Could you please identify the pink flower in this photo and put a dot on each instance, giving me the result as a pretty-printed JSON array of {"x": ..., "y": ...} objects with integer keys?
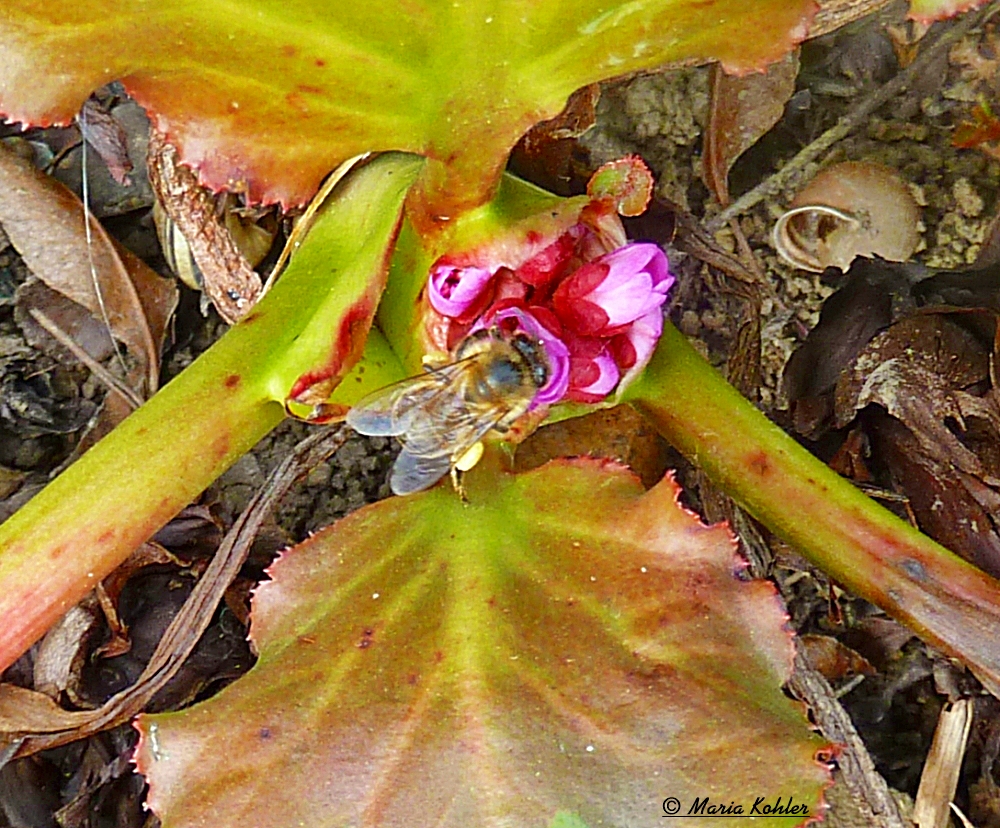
[
  {"x": 593, "y": 300},
  {"x": 459, "y": 291},
  {"x": 555, "y": 351},
  {"x": 614, "y": 290}
]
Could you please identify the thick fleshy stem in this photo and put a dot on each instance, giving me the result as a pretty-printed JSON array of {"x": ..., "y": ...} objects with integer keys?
[
  {"x": 60, "y": 544},
  {"x": 945, "y": 600}
]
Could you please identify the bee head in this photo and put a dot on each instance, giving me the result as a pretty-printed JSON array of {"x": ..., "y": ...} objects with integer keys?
[{"x": 533, "y": 354}]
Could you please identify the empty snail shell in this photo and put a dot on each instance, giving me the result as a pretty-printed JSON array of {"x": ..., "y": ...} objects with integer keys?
[{"x": 851, "y": 209}]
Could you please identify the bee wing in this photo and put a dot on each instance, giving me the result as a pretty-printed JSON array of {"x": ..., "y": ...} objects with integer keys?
[
  {"x": 389, "y": 411},
  {"x": 413, "y": 473},
  {"x": 435, "y": 440}
]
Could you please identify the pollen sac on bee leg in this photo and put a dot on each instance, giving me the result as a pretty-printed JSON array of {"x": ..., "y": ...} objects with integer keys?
[{"x": 471, "y": 457}]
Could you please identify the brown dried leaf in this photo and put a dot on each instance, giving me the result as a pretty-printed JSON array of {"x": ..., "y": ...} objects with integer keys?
[
  {"x": 61, "y": 652},
  {"x": 831, "y": 658},
  {"x": 878, "y": 639},
  {"x": 25, "y": 711},
  {"x": 86, "y": 330},
  {"x": 20, "y": 711},
  {"x": 44, "y": 221},
  {"x": 550, "y": 155},
  {"x": 978, "y": 58},
  {"x": 102, "y": 131},
  {"x": 912, "y": 370},
  {"x": 917, "y": 372},
  {"x": 228, "y": 279},
  {"x": 939, "y": 496},
  {"x": 109, "y": 592},
  {"x": 847, "y": 322},
  {"x": 741, "y": 110}
]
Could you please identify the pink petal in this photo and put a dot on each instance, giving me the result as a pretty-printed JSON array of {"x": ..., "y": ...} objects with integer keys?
[
  {"x": 552, "y": 263},
  {"x": 607, "y": 376},
  {"x": 625, "y": 284},
  {"x": 642, "y": 336},
  {"x": 625, "y": 296},
  {"x": 592, "y": 378},
  {"x": 453, "y": 290},
  {"x": 623, "y": 351},
  {"x": 581, "y": 316}
]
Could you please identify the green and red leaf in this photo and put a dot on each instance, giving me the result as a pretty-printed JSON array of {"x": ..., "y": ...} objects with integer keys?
[
  {"x": 927, "y": 11},
  {"x": 564, "y": 644},
  {"x": 272, "y": 96}
]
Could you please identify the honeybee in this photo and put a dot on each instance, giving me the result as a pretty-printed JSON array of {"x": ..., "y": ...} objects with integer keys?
[{"x": 439, "y": 416}]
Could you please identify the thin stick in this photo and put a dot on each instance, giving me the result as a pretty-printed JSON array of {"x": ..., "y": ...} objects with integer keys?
[
  {"x": 82, "y": 118},
  {"x": 114, "y": 384},
  {"x": 848, "y": 122}
]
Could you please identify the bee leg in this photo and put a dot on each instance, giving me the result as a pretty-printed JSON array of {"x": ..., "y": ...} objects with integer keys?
[{"x": 458, "y": 486}]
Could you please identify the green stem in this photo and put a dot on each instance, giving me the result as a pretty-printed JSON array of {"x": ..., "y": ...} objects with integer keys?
[
  {"x": 946, "y": 600},
  {"x": 312, "y": 324}
]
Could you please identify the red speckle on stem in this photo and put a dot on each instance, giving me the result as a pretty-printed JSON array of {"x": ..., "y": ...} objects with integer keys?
[
  {"x": 232, "y": 381},
  {"x": 106, "y": 537},
  {"x": 759, "y": 463},
  {"x": 320, "y": 63},
  {"x": 295, "y": 101},
  {"x": 220, "y": 446}
]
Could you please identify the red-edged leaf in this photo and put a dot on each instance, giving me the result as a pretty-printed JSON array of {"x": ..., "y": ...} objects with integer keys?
[
  {"x": 927, "y": 11},
  {"x": 276, "y": 96},
  {"x": 627, "y": 183},
  {"x": 565, "y": 643}
]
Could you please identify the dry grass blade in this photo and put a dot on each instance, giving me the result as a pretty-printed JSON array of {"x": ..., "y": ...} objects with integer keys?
[{"x": 944, "y": 763}]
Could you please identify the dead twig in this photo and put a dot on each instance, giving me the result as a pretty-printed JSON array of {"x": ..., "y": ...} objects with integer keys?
[
  {"x": 866, "y": 786},
  {"x": 112, "y": 382}
]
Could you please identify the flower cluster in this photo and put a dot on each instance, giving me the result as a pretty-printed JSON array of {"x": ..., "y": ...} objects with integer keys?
[{"x": 597, "y": 312}]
